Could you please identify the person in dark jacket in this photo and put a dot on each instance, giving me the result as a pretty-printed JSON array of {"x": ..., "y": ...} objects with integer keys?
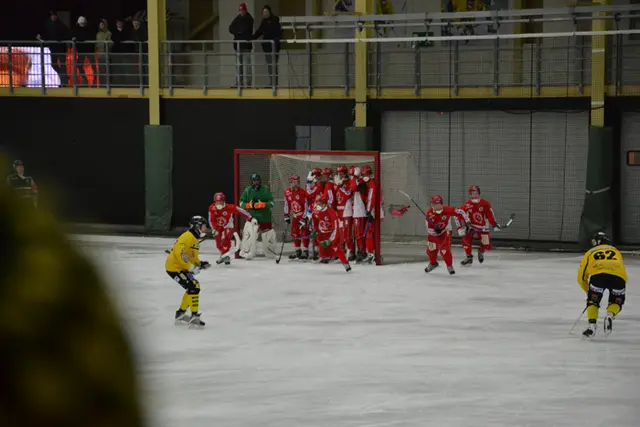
[
  {"x": 55, "y": 33},
  {"x": 85, "y": 48},
  {"x": 270, "y": 29},
  {"x": 242, "y": 29},
  {"x": 122, "y": 58}
]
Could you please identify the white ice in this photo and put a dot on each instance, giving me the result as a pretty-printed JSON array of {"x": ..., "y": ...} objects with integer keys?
[{"x": 302, "y": 345}]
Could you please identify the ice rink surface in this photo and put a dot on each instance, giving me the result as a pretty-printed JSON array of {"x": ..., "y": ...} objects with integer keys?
[{"x": 301, "y": 345}]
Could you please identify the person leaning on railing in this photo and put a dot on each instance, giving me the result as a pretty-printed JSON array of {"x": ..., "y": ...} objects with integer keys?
[
  {"x": 56, "y": 34},
  {"x": 270, "y": 29},
  {"x": 102, "y": 47},
  {"x": 83, "y": 36}
]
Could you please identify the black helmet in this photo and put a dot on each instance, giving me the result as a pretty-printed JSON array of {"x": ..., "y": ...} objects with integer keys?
[
  {"x": 17, "y": 163},
  {"x": 196, "y": 223},
  {"x": 600, "y": 238},
  {"x": 256, "y": 177}
]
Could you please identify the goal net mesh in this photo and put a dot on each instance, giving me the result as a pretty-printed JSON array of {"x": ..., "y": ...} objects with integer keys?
[{"x": 402, "y": 238}]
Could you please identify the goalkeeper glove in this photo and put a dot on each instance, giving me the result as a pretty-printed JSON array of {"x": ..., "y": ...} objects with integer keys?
[
  {"x": 325, "y": 243},
  {"x": 287, "y": 218},
  {"x": 248, "y": 205},
  {"x": 259, "y": 205}
]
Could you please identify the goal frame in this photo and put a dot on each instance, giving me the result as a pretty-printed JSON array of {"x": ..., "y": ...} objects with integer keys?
[{"x": 377, "y": 171}]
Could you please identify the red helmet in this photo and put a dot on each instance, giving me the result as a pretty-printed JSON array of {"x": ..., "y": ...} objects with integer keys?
[
  {"x": 294, "y": 177},
  {"x": 321, "y": 199},
  {"x": 327, "y": 172},
  {"x": 351, "y": 170},
  {"x": 366, "y": 171},
  {"x": 341, "y": 169},
  {"x": 317, "y": 172},
  {"x": 436, "y": 200},
  {"x": 474, "y": 188},
  {"x": 219, "y": 197}
]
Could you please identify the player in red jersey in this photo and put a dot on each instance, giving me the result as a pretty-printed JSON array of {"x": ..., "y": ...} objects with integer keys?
[
  {"x": 439, "y": 230},
  {"x": 296, "y": 205},
  {"x": 370, "y": 182},
  {"x": 344, "y": 207},
  {"x": 221, "y": 216},
  {"x": 327, "y": 229},
  {"x": 329, "y": 186},
  {"x": 359, "y": 189},
  {"x": 479, "y": 212},
  {"x": 314, "y": 188}
]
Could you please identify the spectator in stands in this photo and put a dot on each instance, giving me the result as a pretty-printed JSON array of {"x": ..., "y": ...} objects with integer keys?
[
  {"x": 122, "y": 56},
  {"x": 23, "y": 186},
  {"x": 242, "y": 29},
  {"x": 270, "y": 29},
  {"x": 103, "y": 46},
  {"x": 55, "y": 33},
  {"x": 140, "y": 36},
  {"x": 85, "y": 48}
]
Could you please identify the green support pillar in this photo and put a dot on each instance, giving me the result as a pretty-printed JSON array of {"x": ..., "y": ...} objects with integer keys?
[
  {"x": 598, "y": 205},
  {"x": 358, "y": 139},
  {"x": 158, "y": 168}
]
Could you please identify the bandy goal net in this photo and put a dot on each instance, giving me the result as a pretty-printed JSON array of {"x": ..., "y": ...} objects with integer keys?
[{"x": 396, "y": 238}]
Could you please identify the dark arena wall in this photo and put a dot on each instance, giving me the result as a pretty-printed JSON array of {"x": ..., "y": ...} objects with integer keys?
[
  {"x": 205, "y": 133},
  {"x": 86, "y": 155}
]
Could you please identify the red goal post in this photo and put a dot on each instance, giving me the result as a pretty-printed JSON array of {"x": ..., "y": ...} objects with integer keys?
[{"x": 392, "y": 172}]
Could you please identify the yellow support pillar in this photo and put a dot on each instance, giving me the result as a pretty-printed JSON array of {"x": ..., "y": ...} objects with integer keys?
[
  {"x": 363, "y": 7},
  {"x": 156, "y": 26},
  {"x": 598, "y": 64}
]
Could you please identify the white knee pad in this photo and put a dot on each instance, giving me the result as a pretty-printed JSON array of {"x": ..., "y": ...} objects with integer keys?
[
  {"x": 270, "y": 243},
  {"x": 249, "y": 245}
]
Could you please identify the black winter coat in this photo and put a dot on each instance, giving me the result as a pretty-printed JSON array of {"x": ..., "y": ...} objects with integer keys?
[
  {"x": 270, "y": 29},
  {"x": 242, "y": 29}
]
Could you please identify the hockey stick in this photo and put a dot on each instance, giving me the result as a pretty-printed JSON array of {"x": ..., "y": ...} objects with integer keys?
[
  {"x": 284, "y": 234},
  {"x": 576, "y": 324},
  {"x": 508, "y": 224},
  {"x": 419, "y": 208}
]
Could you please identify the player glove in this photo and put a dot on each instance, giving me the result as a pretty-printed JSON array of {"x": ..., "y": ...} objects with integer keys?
[
  {"x": 204, "y": 265},
  {"x": 259, "y": 205},
  {"x": 248, "y": 205},
  {"x": 313, "y": 235},
  {"x": 287, "y": 218},
  {"x": 437, "y": 230},
  {"x": 497, "y": 227},
  {"x": 325, "y": 243},
  {"x": 369, "y": 217},
  {"x": 462, "y": 231}
]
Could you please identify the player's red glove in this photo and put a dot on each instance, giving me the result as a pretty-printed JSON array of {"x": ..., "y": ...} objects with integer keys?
[
  {"x": 325, "y": 243},
  {"x": 259, "y": 205}
]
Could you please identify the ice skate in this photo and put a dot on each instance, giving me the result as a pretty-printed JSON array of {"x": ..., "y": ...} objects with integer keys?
[
  {"x": 296, "y": 255},
  {"x": 351, "y": 257},
  {"x": 324, "y": 261},
  {"x": 347, "y": 267},
  {"x": 196, "y": 322},
  {"x": 430, "y": 267},
  {"x": 370, "y": 259},
  {"x": 224, "y": 259},
  {"x": 304, "y": 255},
  {"x": 608, "y": 324},
  {"x": 467, "y": 261},
  {"x": 590, "y": 332},
  {"x": 361, "y": 257},
  {"x": 480, "y": 256},
  {"x": 315, "y": 256},
  {"x": 451, "y": 270},
  {"x": 181, "y": 317}
]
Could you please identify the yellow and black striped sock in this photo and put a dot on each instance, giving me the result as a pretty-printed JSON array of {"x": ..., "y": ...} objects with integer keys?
[
  {"x": 186, "y": 301},
  {"x": 195, "y": 303}
]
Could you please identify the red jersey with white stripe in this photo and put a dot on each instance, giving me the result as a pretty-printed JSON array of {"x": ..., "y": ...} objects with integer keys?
[
  {"x": 296, "y": 202},
  {"x": 344, "y": 201},
  {"x": 480, "y": 213},
  {"x": 442, "y": 220},
  {"x": 326, "y": 224},
  {"x": 329, "y": 191},
  {"x": 371, "y": 198},
  {"x": 219, "y": 219}
]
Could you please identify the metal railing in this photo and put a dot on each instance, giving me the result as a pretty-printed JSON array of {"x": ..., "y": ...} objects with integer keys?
[{"x": 210, "y": 65}]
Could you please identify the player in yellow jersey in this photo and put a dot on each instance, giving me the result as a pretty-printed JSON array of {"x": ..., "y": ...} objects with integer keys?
[
  {"x": 602, "y": 268},
  {"x": 182, "y": 263}
]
